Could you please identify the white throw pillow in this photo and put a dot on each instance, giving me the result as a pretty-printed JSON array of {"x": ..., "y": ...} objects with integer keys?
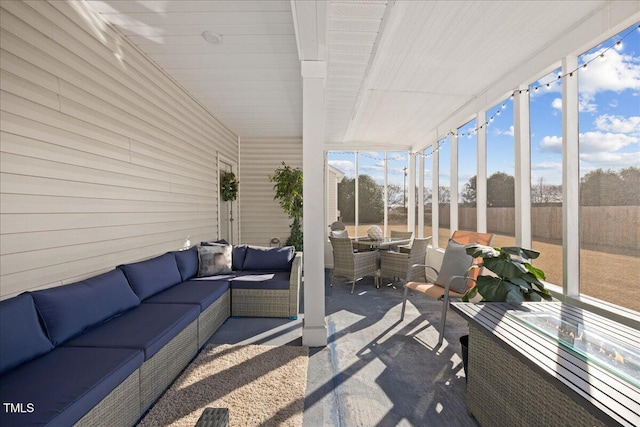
[
  {"x": 214, "y": 259},
  {"x": 374, "y": 232}
]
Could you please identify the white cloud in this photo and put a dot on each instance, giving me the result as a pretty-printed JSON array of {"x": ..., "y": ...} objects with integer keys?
[
  {"x": 616, "y": 72},
  {"x": 591, "y": 142},
  {"x": 345, "y": 166},
  {"x": 585, "y": 104},
  {"x": 557, "y": 103},
  {"x": 618, "y": 124},
  {"x": 606, "y": 143},
  {"x": 551, "y": 143},
  {"x": 508, "y": 132},
  {"x": 611, "y": 160},
  {"x": 547, "y": 166}
]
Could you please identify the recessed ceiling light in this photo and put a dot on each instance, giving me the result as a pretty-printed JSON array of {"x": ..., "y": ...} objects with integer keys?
[{"x": 212, "y": 37}]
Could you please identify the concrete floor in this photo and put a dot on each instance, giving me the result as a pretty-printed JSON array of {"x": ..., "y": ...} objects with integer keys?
[{"x": 376, "y": 370}]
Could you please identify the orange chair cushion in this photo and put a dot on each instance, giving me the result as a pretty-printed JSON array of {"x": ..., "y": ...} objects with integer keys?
[{"x": 430, "y": 289}]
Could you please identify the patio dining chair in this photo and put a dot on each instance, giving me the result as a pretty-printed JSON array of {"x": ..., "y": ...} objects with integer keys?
[
  {"x": 455, "y": 276},
  {"x": 395, "y": 234},
  {"x": 352, "y": 265},
  {"x": 399, "y": 264}
]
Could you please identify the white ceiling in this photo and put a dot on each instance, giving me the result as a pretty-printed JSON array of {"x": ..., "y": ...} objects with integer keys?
[{"x": 399, "y": 72}]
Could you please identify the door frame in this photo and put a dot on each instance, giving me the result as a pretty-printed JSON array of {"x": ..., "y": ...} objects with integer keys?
[{"x": 235, "y": 224}]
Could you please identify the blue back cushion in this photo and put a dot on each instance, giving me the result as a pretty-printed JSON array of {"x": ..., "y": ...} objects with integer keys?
[
  {"x": 21, "y": 336},
  {"x": 268, "y": 259},
  {"x": 153, "y": 275},
  {"x": 69, "y": 310},
  {"x": 187, "y": 262},
  {"x": 238, "y": 255}
]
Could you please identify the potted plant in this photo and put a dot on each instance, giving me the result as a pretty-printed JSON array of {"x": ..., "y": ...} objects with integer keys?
[
  {"x": 229, "y": 190},
  {"x": 513, "y": 280},
  {"x": 288, "y": 188}
]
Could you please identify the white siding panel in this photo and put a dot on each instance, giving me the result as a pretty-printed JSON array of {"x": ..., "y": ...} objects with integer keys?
[
  {"x": 261, "y": 217},
  {"x": 105, "y": 160}
]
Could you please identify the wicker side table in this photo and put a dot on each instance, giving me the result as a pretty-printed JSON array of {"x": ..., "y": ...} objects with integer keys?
[{"x": 214, "y": 417}]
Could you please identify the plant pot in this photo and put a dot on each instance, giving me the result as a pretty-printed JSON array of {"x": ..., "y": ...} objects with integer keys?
[{"x": 464, "y": 343}]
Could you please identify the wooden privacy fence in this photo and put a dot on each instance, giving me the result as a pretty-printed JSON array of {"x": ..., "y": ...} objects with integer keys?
[{"x": 614, "y": 226}]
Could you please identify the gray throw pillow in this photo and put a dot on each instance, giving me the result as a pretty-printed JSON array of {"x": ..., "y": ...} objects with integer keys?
[
  {"x": 456, "y": 262},
  {"x": 213, "y": 260}
]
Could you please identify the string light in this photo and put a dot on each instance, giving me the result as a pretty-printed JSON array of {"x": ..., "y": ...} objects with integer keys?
[{"x": 616, "y": 45}]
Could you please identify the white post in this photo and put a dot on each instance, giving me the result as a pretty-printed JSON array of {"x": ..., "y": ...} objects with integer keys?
[
  {"x": 421, "y": 197},
  {"x": 435, "y": 196},
  {"x": 411, "y": 183},
  {"x": 481, "y": 176},
  {"x": 386, "y": 194},
  {"x": 453, "y": 201},
  {"x": 314, "y": 331},
  {"x": 570, "y": 179},
  {"x": 522, "y": 138}
]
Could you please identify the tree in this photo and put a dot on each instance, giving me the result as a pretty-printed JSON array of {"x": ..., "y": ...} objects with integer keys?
[
  {"x": 288, "y": 187},
  {"x": 394, "y": 194},
  {"x": 630, "y": 186},
  {"x": 501, "y": 190},
  {"x": 370, "y": 199},
  {"x": 444, "y": 194},
  {"x": 610, "y": 188},
  {"x": 468, "y": 193},
  {"x": 600, "y": 188},
  {"x": 542, "y": 193}
]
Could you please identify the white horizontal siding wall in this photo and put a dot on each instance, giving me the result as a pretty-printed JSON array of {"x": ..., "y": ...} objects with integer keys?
[
  {"x": 104, "y": 158},
  {"x": 261, "y": 217}
]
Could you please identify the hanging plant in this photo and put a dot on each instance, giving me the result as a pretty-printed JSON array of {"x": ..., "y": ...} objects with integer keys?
[{"x": 229, "y": 186}]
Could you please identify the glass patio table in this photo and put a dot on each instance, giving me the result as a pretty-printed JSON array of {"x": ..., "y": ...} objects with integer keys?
[{"x": 367, "y": 243}]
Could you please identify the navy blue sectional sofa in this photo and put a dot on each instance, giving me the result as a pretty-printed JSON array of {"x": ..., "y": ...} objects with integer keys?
[{"x": 102, "y": 350}]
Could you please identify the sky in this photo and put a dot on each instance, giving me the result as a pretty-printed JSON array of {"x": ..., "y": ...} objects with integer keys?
[{"x": 609, "y": 124}]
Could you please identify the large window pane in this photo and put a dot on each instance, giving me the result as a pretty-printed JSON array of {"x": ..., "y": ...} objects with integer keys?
[
  {"x": 370, "y": 191},
  {"x": 467, "y": 172},
  {"x": 501, "y": 210},
  {"x": 398, "y": 190},
  {"x": 609, "y": 138},
  {"x": 546, "y": 174},
  {"x": 343, "y": 161},
  {"x": 444, "y": 191}
]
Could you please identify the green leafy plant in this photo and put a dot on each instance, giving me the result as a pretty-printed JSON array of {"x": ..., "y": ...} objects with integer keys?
[
  {"x": 229, "y": 186},
  {"x": 288, "y": 188},
  {"x": 515, "y": 280}
]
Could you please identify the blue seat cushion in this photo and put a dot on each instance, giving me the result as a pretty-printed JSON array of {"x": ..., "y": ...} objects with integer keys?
[
  {"x": 69, "y": 310},
  {"x": 268, "y": 259},
  {"x": 65, "y": 384},
  {"x": 21, "y": 336},
  {"x": 187, "y": 261},
  {"x": 261, "y": 280},
  {"x": 148, "y": 327},
  {"x": 202, "y": 292},
  {"x": 153, "y": 275}
]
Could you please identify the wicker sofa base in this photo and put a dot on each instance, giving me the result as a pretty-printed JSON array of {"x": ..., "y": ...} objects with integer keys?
[
  {"x": 529, "y": 399},
  {"x": 260, "y": 303},
  {"x": 213, "y": 317},
  {"x": 157, "y": 373},
  {"x": 121, "y": 407}
]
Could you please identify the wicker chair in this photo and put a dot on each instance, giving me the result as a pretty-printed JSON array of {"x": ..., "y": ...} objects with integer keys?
[
  {"x": 397, "y": 264},
  {"x": 455, "y": 277},
  {"x": 352, "y": 265},
  {"x": 401, "y": 235}
]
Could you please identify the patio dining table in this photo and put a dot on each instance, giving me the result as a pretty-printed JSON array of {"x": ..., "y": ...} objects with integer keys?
[{"x": 373, "y": 244}]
